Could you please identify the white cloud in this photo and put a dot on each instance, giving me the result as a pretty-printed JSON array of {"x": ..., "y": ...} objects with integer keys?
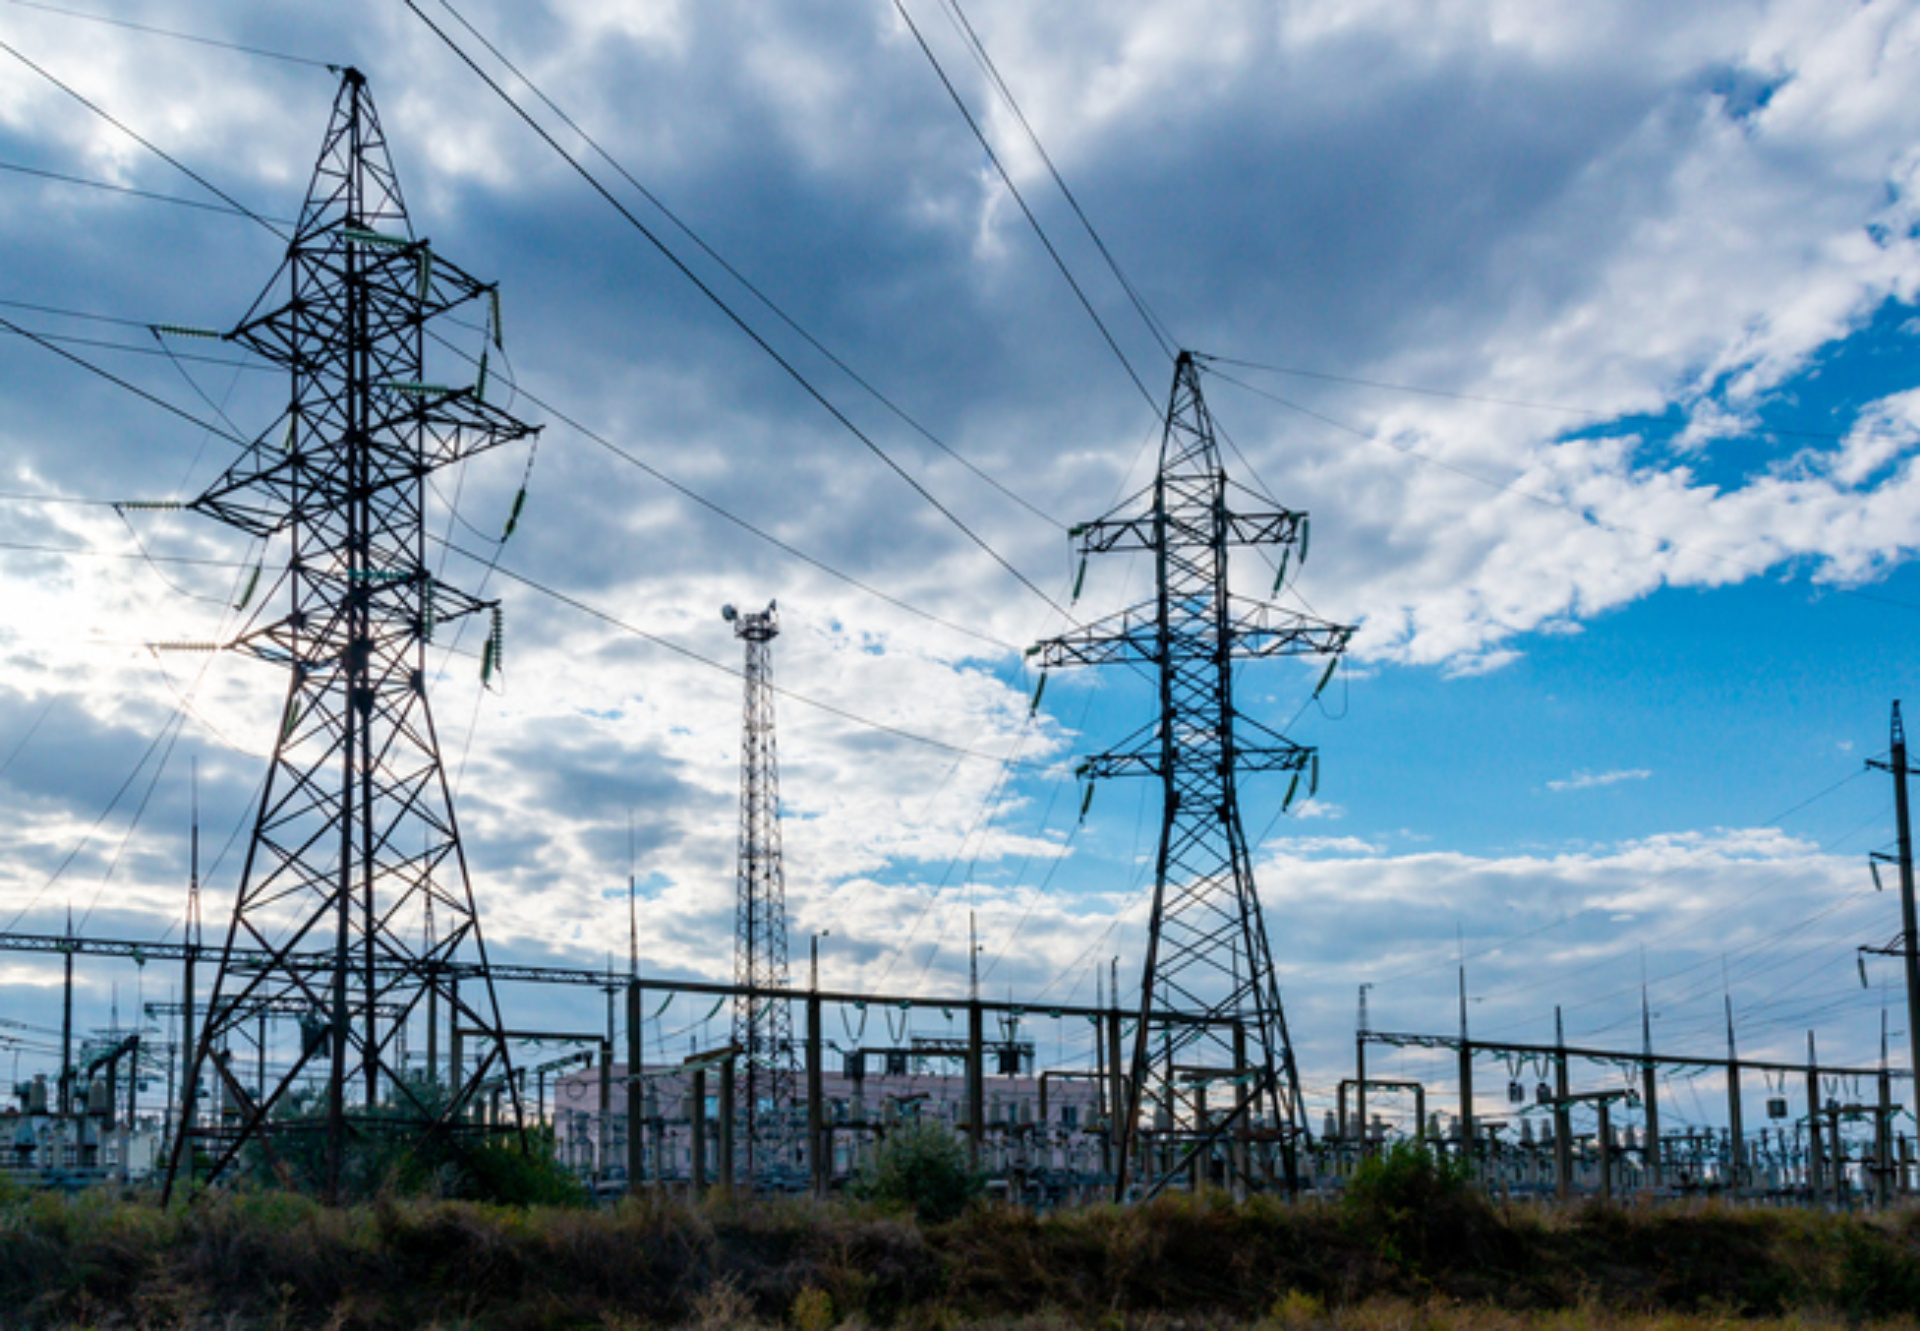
[
  {"x": 1588, "y": 780},
  {"x": 1321, "y": 845},
  {"x": 1559, "y": 204}
]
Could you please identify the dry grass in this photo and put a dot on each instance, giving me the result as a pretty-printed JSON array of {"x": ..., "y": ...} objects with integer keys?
[{"x": 270, "y": 1260}]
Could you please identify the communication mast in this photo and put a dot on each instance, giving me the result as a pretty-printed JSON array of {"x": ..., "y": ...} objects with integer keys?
[
  {"x": 354, "y": 847},
  {"x": 762, "y": 1025},
  {"x": 1212, "y": 1066}
]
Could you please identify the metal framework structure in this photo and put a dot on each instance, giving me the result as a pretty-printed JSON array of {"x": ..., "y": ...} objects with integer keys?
[
  {"x": 1207, "y": 948},
  {"x": 762, "y": 1029},
  {"x": 355, "y": 885}
]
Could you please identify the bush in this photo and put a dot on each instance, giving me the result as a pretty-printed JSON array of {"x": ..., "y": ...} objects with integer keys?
[
  {"x": 921, "y": 1165},
  {"x": 394, "y": 1149},
  {"x": 1418, "y": 1208}
]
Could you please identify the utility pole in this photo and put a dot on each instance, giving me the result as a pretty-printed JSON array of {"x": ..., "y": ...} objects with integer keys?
[
  {"x": 1466, "y": 1076},
  {"x": 355, "y": 832},
  {"x": 762, "y": 1027},
  {"x": 1360, "y": 1033},
  {"x": 1562, "y": 1124},
  {"x": 1736, "y": 1127},
  {"x": 1649, "y": 1090},
  {"x": 192, "y": 939},
  {"x": 1207, "y": 949},
  {"x": 64, "y": 1092},
  {"x": 1908, "y": 944}
]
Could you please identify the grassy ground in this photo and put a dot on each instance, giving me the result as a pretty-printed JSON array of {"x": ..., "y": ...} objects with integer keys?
[{"x": 1435, "y": 1263}]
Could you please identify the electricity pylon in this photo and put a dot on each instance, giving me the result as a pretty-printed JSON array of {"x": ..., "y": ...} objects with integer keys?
[
  {"x": 762, "y": 1026},
  {"x": 354, "y": 847},
  {"x": 1210, "y": 1014}
]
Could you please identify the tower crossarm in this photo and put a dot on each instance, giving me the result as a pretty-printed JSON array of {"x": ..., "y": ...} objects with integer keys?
[
  {"x": 398, "y": 595},
  {"x": 1254, "y": 629},
  {"x": 1106, "y": 535},
  {"x": 1147, "y": 761},
  {"x": 283, "y": 477}
]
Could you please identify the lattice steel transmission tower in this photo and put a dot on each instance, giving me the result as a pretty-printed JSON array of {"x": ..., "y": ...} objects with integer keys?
[
  {"x": 1210, "y": 1015},
  {"x": 355, "y": 882},
  {"x": 762, "y": 1026}
]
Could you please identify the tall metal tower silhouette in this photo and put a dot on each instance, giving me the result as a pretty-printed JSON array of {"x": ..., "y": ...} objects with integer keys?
[
  {"x": 354, "y": 848},
  {"x": 1906, "y": 944},
  {"x": 1206, "y": 1085},
  {"x": 762, "y": 1027}
]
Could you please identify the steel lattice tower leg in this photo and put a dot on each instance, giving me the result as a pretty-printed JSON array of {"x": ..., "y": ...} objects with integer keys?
[
  {"x": 355, "y": 845},
  {"x": 762, "y": 1026},
  {"x": 1210, "y": 1013}
]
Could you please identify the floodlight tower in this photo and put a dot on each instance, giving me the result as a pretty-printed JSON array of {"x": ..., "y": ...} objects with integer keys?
[
  {"x": 762, "y": 1026},
  {"x": 1210, "y": 1013},
  {"x": 354, "y": 845}
]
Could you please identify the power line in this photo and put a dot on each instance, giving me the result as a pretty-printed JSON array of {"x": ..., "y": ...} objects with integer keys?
[
  {"x": 75, "y": 314},
  {"x": 80, "y": 552},
  {"x": 1780, "y": 878},
  {"x": 68, "y": 339},
  {"x": 107, "y": 186},
  {"x": 752, "y": 289},
  {"x": 1592, "y": 413},
  {"x": 830, "y": 709},
  {"x": 1499, "y": 944},
  {"x": 7, "y": 325},
  {"x": 733, "y": 316},
  {"x": 721, "y": 511},
  {"x": 1545, "y": 501},
  {"x": 559, "y": 415},
  {"x": 1169, "y": 345},
  {"x": 175, "y": 35},
  {"x": 172, "y": 722},
  {"x": 1152, "y": 402},
  {"x": 148, "y": 144}
]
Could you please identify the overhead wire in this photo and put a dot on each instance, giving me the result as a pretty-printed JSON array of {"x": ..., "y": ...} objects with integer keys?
[
  {"x": 1591, "y": 413},
  {"x": 67, "y": 862},
  {"x": 1508, "y": 940},
  {"x": 146, "y": 143},
  {"x": 9, "y": 326},
  {"x": 32, "y": 730},
  {"x": 1781, "y": 878},
  {"x": 133, "y": 824},
  {"x": 81, "y": 552},
  {"x": 1586, "y": 515},
  {"x": 719, "y": 510},
  {"x": 1059, "y": 262},
  {"x": 174, "y": 34},
  {"x": 678, "y": 649},
  {"x": 108, "y": 186},
  {"x": 752, "y": 288},
  {"x": 240, "y": 210},
  {"x": 1155, "y": 326},
  {"x": 574, "y": 602},
  {"x": 733, "y": 316},
  {"x": 978, "y": 829},
  {"x": 99, "y": 344},
  {"x": 1746, "y": 952},
  {"x": 556, "y": 413}
]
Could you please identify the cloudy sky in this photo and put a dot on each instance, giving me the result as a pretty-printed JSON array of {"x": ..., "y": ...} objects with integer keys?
[{"x": 1584, "y": 332}]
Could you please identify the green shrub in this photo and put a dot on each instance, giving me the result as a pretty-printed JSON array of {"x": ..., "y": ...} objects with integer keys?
[
  {"x": 921, "y": 1165},
  {"x": 1419, "y": 1209},
  {"x": 393, "y": 1149},
  {"x": 1877, "y": 1278}
]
